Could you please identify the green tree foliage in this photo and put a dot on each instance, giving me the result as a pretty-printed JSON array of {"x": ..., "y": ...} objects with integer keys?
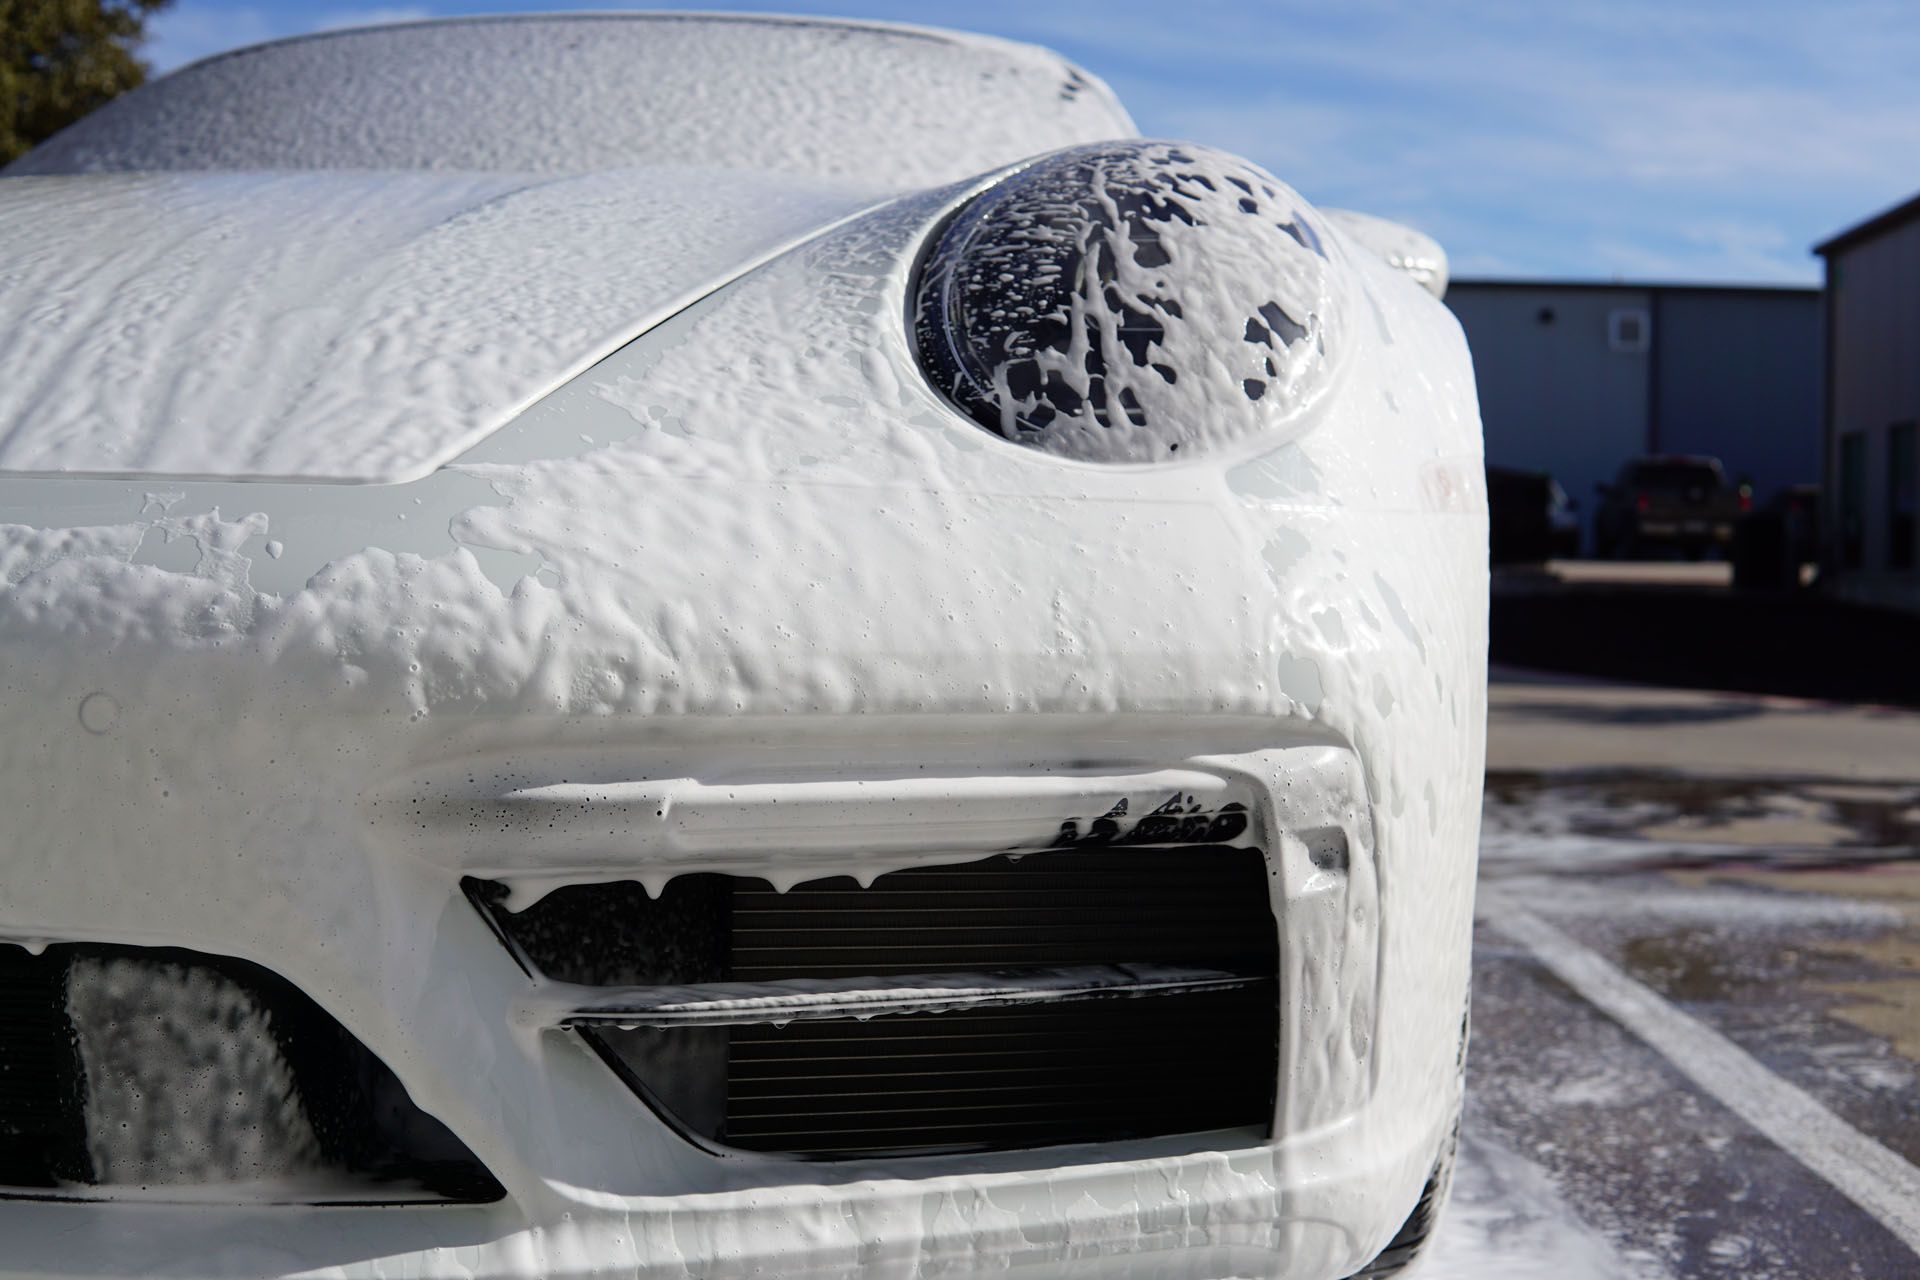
[{"x": 59, "y": 59}]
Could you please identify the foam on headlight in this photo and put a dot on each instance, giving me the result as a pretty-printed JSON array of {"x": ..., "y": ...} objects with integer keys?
[{"x": 1130, "y": 302}]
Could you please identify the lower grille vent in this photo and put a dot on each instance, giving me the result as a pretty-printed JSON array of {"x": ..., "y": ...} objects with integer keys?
[
  {"x": 1035, "y": 1053},
  {"x": 131, "y": 1068},
  {"x": 1090, "y": 1071}
]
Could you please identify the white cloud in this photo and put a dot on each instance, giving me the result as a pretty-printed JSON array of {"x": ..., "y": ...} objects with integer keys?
[{"x": 1616, "y": 138}]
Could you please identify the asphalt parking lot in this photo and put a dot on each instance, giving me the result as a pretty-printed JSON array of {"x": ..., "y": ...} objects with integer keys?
[{"x": 1697, "y": 990}]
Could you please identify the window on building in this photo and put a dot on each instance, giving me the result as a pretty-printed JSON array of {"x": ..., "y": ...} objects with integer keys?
[
  {"x": 1903, "y": 494},
  {"x": 1853, "y": 499},
  {"x": 1629, "y": 329}
]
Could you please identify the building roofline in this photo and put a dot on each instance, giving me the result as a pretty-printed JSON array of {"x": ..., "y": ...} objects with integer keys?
[
  {"x": 1638, "y": 286},
  {"x": 1885, "y": 220}
]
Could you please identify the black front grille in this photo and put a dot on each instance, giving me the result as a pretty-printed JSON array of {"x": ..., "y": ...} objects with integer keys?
[
  {"x": 1084, "y": 1070},
  {"x": 1094, "y": 906}
]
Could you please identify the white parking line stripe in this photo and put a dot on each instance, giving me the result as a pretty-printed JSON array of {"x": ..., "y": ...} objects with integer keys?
[{"x": 1868, "y": 1174}]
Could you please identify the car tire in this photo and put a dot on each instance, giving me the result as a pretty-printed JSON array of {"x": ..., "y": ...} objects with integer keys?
[{"x": 1416, "y": 1233}]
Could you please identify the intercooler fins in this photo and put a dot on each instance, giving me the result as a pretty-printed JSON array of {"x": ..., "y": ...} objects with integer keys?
[{"x": 1059, "y": 997}]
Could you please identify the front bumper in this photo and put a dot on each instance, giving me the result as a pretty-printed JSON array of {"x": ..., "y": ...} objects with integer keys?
[
  {"x": 596, "y": 1182},
  {"x": 1253, "y": 1212}
]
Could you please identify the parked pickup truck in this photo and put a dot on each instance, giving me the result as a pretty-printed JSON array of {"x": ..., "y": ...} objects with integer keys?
[{"x": 1682, "y": 503}]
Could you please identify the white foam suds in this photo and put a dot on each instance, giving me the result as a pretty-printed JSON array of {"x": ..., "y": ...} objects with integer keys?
[
  {"x": 184, "y": 1082},
  {"x": 1507, "y": 1221},
  {"x": 363, "y": 326},
  {"x": 753, "y": 543}
]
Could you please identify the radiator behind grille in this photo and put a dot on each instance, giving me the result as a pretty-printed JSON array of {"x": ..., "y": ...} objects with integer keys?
[{"x": 1090, "y": 1071}]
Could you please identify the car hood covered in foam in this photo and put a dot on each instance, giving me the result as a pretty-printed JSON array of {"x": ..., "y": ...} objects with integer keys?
[{"x": 338, "y": 325}]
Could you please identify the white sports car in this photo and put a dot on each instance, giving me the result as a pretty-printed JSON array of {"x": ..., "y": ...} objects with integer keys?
[{"x": 721, "y": 647}]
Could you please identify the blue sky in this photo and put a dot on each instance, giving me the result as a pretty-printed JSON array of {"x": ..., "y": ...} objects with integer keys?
[{"x": 1708, "y": 140}]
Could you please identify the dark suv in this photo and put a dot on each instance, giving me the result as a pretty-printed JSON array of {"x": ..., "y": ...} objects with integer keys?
[{"x": 1672, "y": 502}]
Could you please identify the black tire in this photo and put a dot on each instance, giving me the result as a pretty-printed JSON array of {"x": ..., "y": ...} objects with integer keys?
[{"x": 1416, "y": 1232}]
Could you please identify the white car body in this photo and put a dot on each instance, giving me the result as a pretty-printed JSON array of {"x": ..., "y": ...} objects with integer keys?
[{"x": 440, "y": 481}]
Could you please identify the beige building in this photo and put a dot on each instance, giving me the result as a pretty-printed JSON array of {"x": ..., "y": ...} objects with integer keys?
[{"x": 1871, "y": 492}]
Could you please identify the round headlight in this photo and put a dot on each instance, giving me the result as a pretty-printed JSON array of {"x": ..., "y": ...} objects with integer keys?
[{"x": 1129, "y": 302}]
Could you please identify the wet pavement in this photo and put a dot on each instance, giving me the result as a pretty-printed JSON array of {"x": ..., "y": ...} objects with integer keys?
[{"x": 1696, "y": 1045}]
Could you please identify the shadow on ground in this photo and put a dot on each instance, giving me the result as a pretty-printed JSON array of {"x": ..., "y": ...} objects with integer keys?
[{"x": 1795, "y": 644}]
